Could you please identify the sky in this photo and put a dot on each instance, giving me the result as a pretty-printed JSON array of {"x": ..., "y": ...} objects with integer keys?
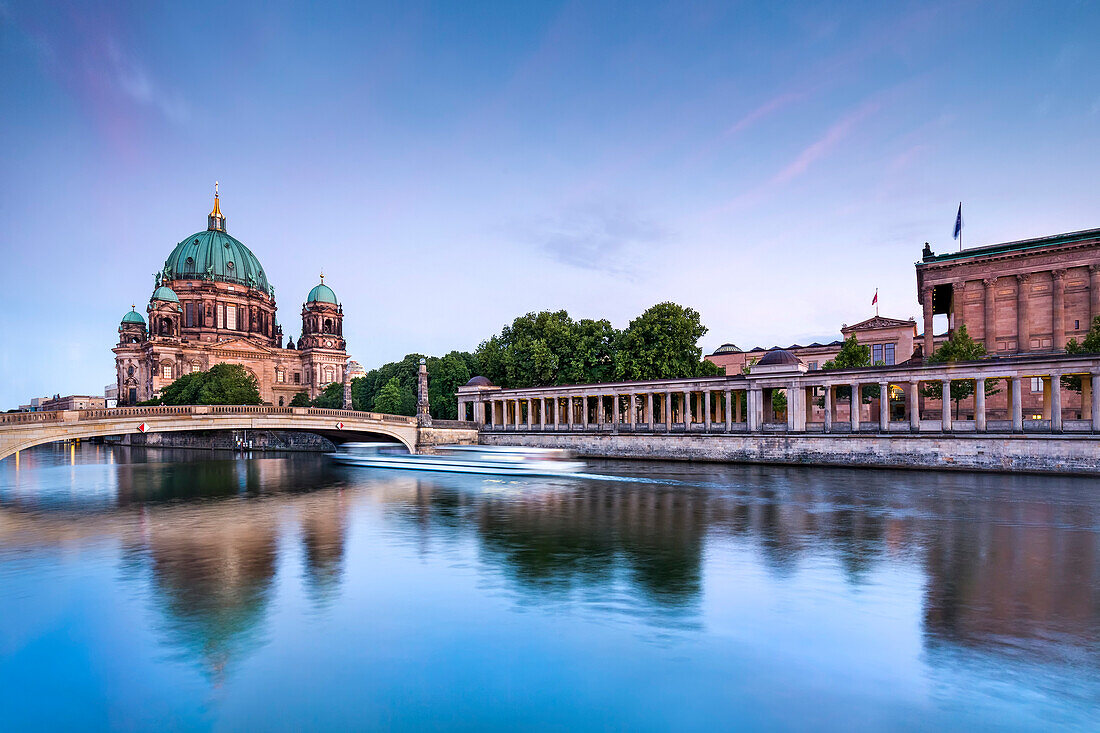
[{"x": 452, "y": 166}]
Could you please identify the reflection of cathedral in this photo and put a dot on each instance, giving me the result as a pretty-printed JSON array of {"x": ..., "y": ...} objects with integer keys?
[{"x": 212, "y": 303}]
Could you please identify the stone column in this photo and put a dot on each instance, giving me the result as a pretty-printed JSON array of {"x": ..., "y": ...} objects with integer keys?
[
  {"x": 1095, "y": 390},
  {"x": 914, "y": 406},
  {"x": 1055, "y": 403},
  {"x": 423, "y": 414},
  {"x": 584, "y": 412},
  {"x": 958, "y": 304},
  {"x": 884, "y": 406},
  {"x": 979, "y": 404},
  {"x": 755, "y": 408},
  {"x": 542, "y": 413},
  {"x": 927, "y": 301},
  {"x": 828, "y": 403},
  {"x": 706, "y": 410},
  {"x": 557, "y": 413},
  {"x": 649, "y": 411},
  {"x": 1023, "y": 328},
  {"x": 633, "y": 397},
  {"x": 615, "y": 411},
  {"x": 519, "y": 413},
  {"x": 729, "y": 411},
  {"x": 668, "y": 412},
  {"x": 601, "y": 418},
  {"x": 687, "y": 411},
  {"x": 1017, "y": 405},
  {"x": 989, "y": 308},
  {"x": 1058, "y": 308},
  {"x": 530, "y": 414},
  {"x": 570, "y": 408},
  {"x": 492, "y": 414},
  {"x": 1086, "y": 397},
  {"x": 945, "y": 406},
  {"x": 796, "y": 408},
  {"x": 1094, "y": 293},
  {"x": 856, "y": 400}
]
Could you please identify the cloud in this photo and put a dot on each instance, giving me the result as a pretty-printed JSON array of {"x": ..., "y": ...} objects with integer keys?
[
  {"x": 130, "y": 79},
  {"x": 772, "y": 105},
  {"x": 824, "y": 144},
  {"x": 603, "y": 237}
]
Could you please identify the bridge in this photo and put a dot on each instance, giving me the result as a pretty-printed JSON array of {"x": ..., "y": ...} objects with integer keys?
[{"x": 22, "y": 430}]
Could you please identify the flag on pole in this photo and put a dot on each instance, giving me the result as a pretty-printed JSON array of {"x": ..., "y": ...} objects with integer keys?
[
  {"x": 959, "y": 224},
  {"x": 874, "y": 300}
]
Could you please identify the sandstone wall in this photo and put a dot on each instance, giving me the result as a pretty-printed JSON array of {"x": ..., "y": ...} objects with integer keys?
[{"x": 1017, "y": 453}]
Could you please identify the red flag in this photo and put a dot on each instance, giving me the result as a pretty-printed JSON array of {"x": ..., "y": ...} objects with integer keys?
[{"x": 874, "y": 300}]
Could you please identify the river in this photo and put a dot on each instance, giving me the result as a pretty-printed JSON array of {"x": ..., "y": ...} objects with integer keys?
[{"x": 152, "y": 589}]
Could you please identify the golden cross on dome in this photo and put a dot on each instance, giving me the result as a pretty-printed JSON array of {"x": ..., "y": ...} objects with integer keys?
[
  {"x": 133, "y": 307},
  {"x": 322, "y": 277}
]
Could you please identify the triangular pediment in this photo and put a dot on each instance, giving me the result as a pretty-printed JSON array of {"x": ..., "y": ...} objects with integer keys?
[
  {"x": 239, "y": 345},
  {"x": 877, "y": 322}
]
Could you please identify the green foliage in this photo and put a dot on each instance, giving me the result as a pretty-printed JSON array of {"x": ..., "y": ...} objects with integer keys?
[
  {"x": 1089, "y": 345},
  {"x": 661, "y": 343},
  {"x": 390, "y": 398},
  {"x": 332, "y": 397},
  {"x": 853, "y": 355},
  {"x": 300, "y": 400},
  {"x": 222, "y": 384},
  {"x": 549, "y": 348},
  {"x": 959, "y": 347}
]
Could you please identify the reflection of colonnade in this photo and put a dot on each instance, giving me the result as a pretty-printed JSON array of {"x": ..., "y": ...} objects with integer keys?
[{"x": 813, "y": 401}]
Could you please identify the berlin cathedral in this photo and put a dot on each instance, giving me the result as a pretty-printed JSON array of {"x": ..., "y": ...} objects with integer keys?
[{"x": 212, "y": 303}]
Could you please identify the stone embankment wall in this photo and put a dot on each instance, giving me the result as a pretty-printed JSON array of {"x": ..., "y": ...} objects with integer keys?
[
  {"x": 1016, "y": 453},
  {"x": 446, "y": 432},
  {"x": 262, "y": 440}
]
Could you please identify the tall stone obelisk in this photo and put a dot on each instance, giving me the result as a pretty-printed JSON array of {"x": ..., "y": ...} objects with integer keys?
[{"x": 423, "y": 414}]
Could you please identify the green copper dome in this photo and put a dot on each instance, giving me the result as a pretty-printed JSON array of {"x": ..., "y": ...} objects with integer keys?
[
  {"x": 214, "y": 255},
  {"x": 165, "y": 293},
  {"x": 133, "y": 317},
  {"x": 322, "y": 294}
]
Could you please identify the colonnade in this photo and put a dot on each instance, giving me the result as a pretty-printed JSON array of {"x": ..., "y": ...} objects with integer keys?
[
  {"x": 748, "y": 403},
  {"x": 1024, "y": 316}
]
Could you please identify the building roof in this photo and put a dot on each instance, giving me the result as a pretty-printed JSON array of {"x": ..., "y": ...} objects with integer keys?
[
  {"x": 214, "y": 255},
  {"x": 778, "y": 357},
  {"x": 133, "y": 317},
  {"x": 322, "y": 294},
  {"x": 727, "y": 349},
  {"x": 1021, "y": 245},
  {"x": 878, "y": 322},
  {"x": 479, "y": 381},
  {"x": 165, "y": 293}
]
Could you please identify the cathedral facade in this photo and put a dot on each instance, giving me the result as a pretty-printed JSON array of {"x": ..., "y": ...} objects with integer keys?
[{"x": 212, "y": 303}]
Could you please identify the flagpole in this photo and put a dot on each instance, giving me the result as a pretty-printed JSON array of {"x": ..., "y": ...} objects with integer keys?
[{"x": 960, "y": 227}]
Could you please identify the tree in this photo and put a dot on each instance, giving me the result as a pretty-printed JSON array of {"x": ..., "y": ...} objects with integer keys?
[
  {"x": 331, "y": 397},
  {"x": 1088, "y": 345},
  {"x": 549, "y": 348},
  {"x": 445, "y": 376},
  {"x": 852, "y": 355},
  {"x": 390, "y": 399},
  {"x": 662, "y": 343},
  {"x": 222, "y": 384},
  {"x": 365, "y": 390},
  {"x": 959, "y": 347},
  {"x": 300, "y": 400}
]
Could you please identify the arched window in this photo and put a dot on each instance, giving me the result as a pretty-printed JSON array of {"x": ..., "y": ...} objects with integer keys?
[
  {"x": 328, "y": 325},
  {"x": 130, "y": 371},
  {"x": 166, "y": 370},
  {"x": 329, "y": 375},
  {"x": 280, "y": 376}
]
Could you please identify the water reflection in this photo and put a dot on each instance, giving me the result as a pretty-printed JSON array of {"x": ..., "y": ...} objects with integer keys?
[{"x": 1004, "y": 564}]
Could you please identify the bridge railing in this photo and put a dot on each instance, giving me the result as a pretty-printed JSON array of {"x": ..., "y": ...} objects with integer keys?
[{"x": 21, "y": 418}]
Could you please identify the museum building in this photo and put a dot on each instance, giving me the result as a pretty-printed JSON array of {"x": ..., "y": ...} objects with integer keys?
[{"x": 212, "y": 303}]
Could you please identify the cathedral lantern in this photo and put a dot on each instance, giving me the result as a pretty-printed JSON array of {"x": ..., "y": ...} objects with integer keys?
[
  {"x": 132, "y": 328},
  {"x": 164, "y": 313},
  {"x": 322, "y": 320}
]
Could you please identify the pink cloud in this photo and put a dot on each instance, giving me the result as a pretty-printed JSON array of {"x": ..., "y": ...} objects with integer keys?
[{"x": 824, "y": 144}]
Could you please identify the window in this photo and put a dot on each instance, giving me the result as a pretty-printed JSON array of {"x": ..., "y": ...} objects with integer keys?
[
  {"x": 297, "y": 378},
  {"x": 231, "y": 317},
  {"x": 280, "y": 402},
  {"x": 130, "y": 370},
  {"x": 280, "y": 376},
  {"x": 1076, "y": 325},
  {"x": 328, "y": 375},
  {"x": 221, "y": 316},
  {"x": 1036, "y": 384},
  {"x": 876, "y": 353},
  {"x": 189, "y": 314},
  {"x": 813, "y": 366},
  {"x": 166, "y": 371},
  {"x": 889, "y": 354}
]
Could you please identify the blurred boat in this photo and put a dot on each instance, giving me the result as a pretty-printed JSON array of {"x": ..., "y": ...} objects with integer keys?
[{"x": 499, "y": 460}]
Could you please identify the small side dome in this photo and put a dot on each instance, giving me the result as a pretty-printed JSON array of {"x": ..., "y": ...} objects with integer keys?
[
  {"x": 165, "y": 293},
  {"x": 133, "y": 317},
  {"x": 322, "y": 294},
  {"x": 479, "y": 381},
  {"x": 779, "y": 357},
  {"x": 727, "y": 349}
]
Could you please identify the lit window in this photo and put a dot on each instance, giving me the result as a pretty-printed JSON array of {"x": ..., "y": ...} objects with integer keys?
[
  {"x": 280, "y": 376},
  {"x": 166, "y": 371},
  {"x": 221, "y": 315},
  {"x": 231, "y": 317}
]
